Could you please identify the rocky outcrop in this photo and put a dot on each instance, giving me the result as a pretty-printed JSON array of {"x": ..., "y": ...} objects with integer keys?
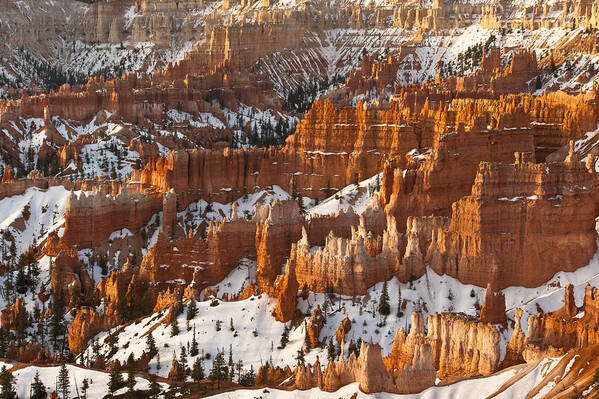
[
  {"x": 461, "y": 347},
  {"x": 278, "y": 226},
  {"x": 90, "y": 219},
  {"x": 205, "y": 261},
  {"x": 69, "y": 278},
  {"x": 14, "y": 314},
  {"x": 86, "y": 325},
  {"x": 369, "y": 371},
  {"x": 176, "y": 371},
  {"x": 454, "y": 345},
  {"x": 419, "y": 234},
  {"x": 268, "y": 375},
  {"x": 493, "y": 310},
  {"x": 343, "y": 329},
  {"x": 540, "y": 216},
  {"x": 347, "y": 266},
  {"x": 551, "y": 334},
  {"x": 285, "y": 292},
  {"x": 314, "y": 326},
  {"x": 514, "y": 348}
]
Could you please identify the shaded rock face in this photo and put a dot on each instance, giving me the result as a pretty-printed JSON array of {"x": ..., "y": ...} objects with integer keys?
[
  {"x": 278, "y": 226},
  {"x": 285, "y": 291},
  {"x": 207, "y": 261},
  {"x": 522, "y": 223},
  {"x": 493, "y": 310},
  {"x": 87, "y": 324},
  {"x": 13, "y": 314},
  {"x": 69, "y": 278}
]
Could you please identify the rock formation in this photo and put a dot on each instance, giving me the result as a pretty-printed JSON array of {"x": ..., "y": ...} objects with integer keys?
[
  {"x": 493, "y": 310},
  {"x": 509, "y": 209}
]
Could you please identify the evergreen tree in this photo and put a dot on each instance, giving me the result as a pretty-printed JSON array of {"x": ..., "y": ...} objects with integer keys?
[
  {"x": 38, "y": 390},
  {"x": 300, "y": 357},
  {"x": 84, "y": 388},
  {"x": 56, "y": 320},
  {"x": 248, "y": 378},
  {"x": 219, "y": 368},
  {"x": 192, "y": 309},
  {"x": 352, "y": 348},
  {"x": 115, "y": 381},
  {"x": 194, "y": 344},
  {"x": 384, "y": 307},
  {"x": 174, "y": 326},
  {"x": 285, "y": 337},
  {"x": 183, "y": 358},
  {"x": 331, "y": 349},
  {"x": 7, "y": 381},
  {"x": 151, "y": 345},
  {"x": 231, "y": 365},
  {"x": 399, "y": 312},
  {"x": 197, "y": 373},
  {"x": 130, "y": 374},
  {"x": 21, "y": 283},
  {"x": 154, "y": 387},
  {"x": 63, "y": 382}
]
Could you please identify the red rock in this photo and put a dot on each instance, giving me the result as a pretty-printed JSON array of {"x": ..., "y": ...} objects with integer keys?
[
  {"x": 314, "y": 326},
  {"x": 493, "y": 310},
  {"x": 343, "y": 329}
]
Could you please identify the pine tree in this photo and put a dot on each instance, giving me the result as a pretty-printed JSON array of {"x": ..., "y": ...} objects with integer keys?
[
  {"x": 300, "y": 357},
  {"x": 231, "y": 368},
  {"x": 285, "y": 337},
  {"x": 399, "y": 312},
  {"x": 154, "y": 387},
  {"x": 7, "y": 381},
  {"x": 151, "y": 345},
  {"x": 21, "y": 283},
  {"x": 84, "y": 388},
  {"x": 384, "y": 307},
  {"x": 174, "y": 326},
  {"x": 63, "y": 382},
  {"x": 56, "y": 320},
  {"x": 194, "y": 344},
  {"x": 331, "y": 349},
  {"x": 38, "y": 390},
  {"x": 130, "y": 373},
  {"x": 218, "y": 368},
  {"x": 197, "y": 373},
  {"x": 115, "y": 381},
  {"x": 183, "y": 358},
  {"x": 248, "y": 378},
  {"x": 231, "y": 325},
  {"x": 192, "y": 309}
]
